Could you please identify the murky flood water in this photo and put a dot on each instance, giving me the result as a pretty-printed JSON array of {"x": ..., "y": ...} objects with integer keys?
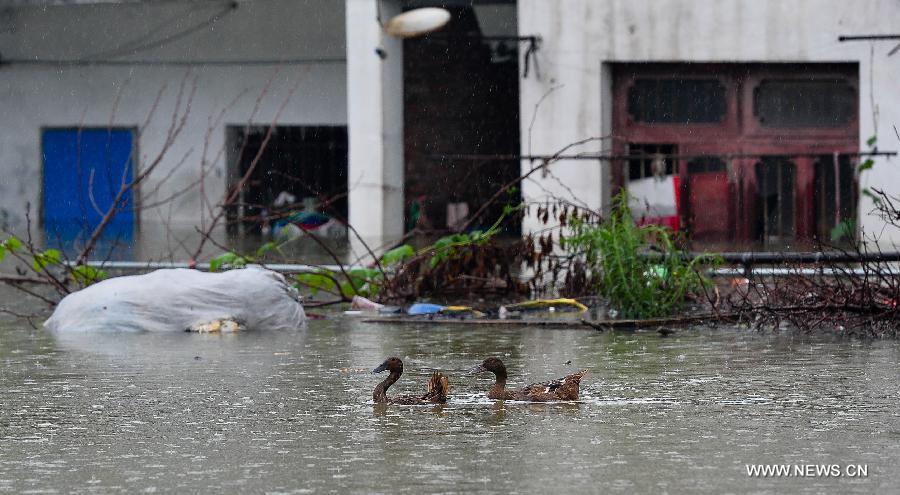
[{"x": 292, "y": 413}]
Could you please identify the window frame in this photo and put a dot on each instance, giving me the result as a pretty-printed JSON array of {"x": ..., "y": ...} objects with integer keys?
[
  {"x": 816, "y": 72},
  {"x": 739, "y": 137}
]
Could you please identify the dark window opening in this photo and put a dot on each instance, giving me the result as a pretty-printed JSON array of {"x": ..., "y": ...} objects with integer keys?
[
  {"x": 303, "y": 168},
  {"x": 795, "y": 103},
  {"x": 649, "y": 160},
  {"x": 461, "y": 96},
  {"x": 705, "y": 164},
  {"x": 775, "y": 182},
  {"x": 834, "y": 196},
  {"x": 677, "y": 101}
]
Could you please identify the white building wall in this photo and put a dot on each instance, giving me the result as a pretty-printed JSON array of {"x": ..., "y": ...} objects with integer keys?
[
  {"x": 308, "y": 35},
  {"x": 375, "y": 116},
  {"x": 580, "y": 36}
]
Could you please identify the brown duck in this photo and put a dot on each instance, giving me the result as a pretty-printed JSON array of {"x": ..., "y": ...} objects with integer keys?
[
  {"x": 438, "y": 386},
  {"x": 565, "y": 388}
]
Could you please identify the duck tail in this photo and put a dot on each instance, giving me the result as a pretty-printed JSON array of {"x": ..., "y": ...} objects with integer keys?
[
  {"x": 578, "y": 376},
  {"x": 438, "y": 388}
]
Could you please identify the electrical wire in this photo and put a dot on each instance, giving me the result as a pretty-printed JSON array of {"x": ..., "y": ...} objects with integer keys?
[
  {"x": 232, "y": 6},
  {"x": 178, "y": 63},
  {"x": 137, "y": 42}
]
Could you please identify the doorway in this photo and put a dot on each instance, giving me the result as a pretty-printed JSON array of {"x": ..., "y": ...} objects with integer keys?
[
  {"x": 461, "y": 97},
  {"x": 83, "y": 172}
]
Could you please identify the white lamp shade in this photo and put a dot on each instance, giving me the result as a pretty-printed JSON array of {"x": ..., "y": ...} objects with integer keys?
[{"x": 417, "y": 22}]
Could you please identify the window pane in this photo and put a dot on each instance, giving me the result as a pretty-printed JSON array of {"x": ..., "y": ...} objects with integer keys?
[
  {"x": 677, "y": 101},
  {"x": 650, "y": 160},
  {"x": 775, "y": 183},
  {"x": 787, "y": 103},
  {"x": 834, "y": 197},
  {"x": 705, "y": 164}
]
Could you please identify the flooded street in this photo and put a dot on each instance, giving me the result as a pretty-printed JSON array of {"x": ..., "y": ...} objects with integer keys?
[{"x": 292, "y": 412}]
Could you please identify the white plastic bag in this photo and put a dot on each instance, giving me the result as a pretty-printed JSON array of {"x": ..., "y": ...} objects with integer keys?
[{"x": 177, "y": 300}]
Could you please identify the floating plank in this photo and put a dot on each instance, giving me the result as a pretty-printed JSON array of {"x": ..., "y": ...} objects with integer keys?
[{"x": 568, "y": 324}]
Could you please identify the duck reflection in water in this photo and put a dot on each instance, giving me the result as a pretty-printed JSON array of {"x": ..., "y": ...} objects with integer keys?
[
  {"x": 561, "y": 389},
  {"x": 438, "y": 386}
]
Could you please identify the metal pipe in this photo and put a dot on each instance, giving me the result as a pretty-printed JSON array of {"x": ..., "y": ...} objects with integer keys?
[
  {"x": 771, "y": 258},
  {"x": 869, "y": 37},
  {"x": 747, "y": 259},
  {"x": 763, "y": 257},
  {"x": 675, "y": 156},
  {"x": 155, "y": 265},
  {"x": 806, "y": 272}
]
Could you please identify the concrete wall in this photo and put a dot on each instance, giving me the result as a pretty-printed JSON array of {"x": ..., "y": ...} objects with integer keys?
[
  {"x": 307, "y": 34},
  {"x": 580, "y": 36}
]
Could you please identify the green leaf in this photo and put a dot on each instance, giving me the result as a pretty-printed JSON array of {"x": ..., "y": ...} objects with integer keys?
[
  {"x": 265, "y": 248},
  {"x": 12, "y": 244},
  {"x": 45, "y": 259},
  {"x": 361, "y": 280},
  {"x": 87, "y": 275},
  {"x": 871, "y": 141},
  {"x": 866, "y": 165},
  {"x": 397, "y": 254},
  {"x": 843, "y": 230},
  {"x": 347, "y": 289},
  {"x": 2, "y": 252},
  {"x": 315, "y": 282},
  {"x": 364, "y": 274},
  {"x": 227, "y": 259},
  {"x": 875, "y": 199}
]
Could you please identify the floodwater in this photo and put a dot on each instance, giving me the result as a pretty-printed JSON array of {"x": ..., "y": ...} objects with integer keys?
[{"x": 292, "y": 412}]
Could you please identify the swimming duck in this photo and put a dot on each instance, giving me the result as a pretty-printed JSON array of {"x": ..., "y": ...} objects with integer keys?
[
  {"x": 565, "y": 388},
  {"x": 438, "y": 386}
]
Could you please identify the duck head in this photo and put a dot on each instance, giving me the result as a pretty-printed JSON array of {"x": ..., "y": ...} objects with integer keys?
[
  {"x": 393, "y": 364},
  {"x": 492, "y": 364}
]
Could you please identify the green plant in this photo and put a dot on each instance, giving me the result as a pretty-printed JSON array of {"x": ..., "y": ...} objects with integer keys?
[
  {"x": 844, "y": 230},
  {"x": 41, "y": 261},
  {"x": 9, "y": 245},
  {"x": 867, "y": 164},
  {"x": 397, "y": 255},
  {"x": 452, "y": 246},
  {"x": 359, "y": 281},
  {"x": 449, "y": 247},
  {"x": 232, "y": 259},
  {"x": 639, "y": 282}
]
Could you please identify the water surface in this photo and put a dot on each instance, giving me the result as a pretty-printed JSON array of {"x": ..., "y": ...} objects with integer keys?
[{"x": 292, "y": 412}]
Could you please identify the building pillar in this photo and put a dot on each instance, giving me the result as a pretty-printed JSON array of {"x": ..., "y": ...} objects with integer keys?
[{"x": 374, "y": 124}]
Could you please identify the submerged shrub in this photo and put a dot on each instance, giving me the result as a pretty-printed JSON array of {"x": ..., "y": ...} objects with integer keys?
[{"x": 640, "y": 269}]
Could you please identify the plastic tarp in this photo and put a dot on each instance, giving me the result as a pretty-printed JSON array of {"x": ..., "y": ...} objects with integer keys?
[
  {"x": 655, "y": 200},
  {"x": 178, "y": 300}
]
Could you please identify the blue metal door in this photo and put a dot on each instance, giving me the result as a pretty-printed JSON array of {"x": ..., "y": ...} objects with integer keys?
[{"x": 83, "y": 172}]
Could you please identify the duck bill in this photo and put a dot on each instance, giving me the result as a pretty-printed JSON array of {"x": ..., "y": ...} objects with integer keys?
[
  {"x": 477, "y": 369},
  {"x": 381, "y": 368}
]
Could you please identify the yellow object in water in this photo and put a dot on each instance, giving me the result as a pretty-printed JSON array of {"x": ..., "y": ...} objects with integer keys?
[
  {"x": 549, "y": 304},
  {"x": 460, "y": 310},
  {"x": 216, "y": 326}
]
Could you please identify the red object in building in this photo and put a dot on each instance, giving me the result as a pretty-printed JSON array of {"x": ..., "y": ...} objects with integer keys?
[
  {"x": 709, "y": 199},
  {"x": 671, "y": 221}
]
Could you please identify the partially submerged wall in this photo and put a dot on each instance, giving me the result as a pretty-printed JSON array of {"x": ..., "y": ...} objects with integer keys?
[
  {"x": 580, "y": 38},
  {"x": 245, "y": 63}
]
